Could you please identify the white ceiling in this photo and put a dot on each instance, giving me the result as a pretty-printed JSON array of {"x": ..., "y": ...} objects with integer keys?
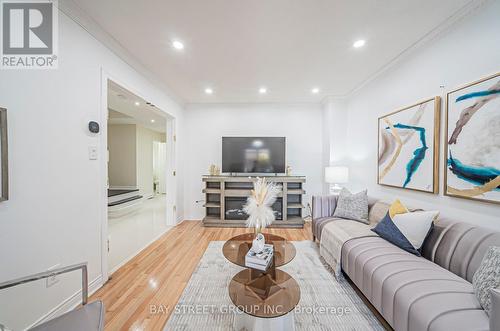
[
  {"x": 289, "y": 46},
  {"x": 123, "y": 109}
]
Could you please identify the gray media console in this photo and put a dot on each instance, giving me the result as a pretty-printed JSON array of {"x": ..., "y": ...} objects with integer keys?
[{"x": 226, "y": 195}]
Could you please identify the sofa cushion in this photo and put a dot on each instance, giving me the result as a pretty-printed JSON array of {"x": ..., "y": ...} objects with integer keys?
[
  {"x": 319, "y": 223},
  {"x": 352, "y": 206},
  {"x": 323, "y": 205},
  {"x": 487, "y": 277},
  {"x": 459, "y": 247},
  {"x": 410, "y": 292},
  {"x": 377, "y": 212},
  {"x": 495, "y": 310},
  {"x": 333, "y": 237}
]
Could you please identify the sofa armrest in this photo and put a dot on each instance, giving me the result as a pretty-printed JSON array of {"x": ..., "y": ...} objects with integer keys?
[
  {"x": 323, "y": 206},
  {"x": 495, "y": 310}
]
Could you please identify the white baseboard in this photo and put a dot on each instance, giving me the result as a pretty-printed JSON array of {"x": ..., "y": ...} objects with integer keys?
[
  {"x": 148, "y": 195},
  {"x": 69, "y": 304}
]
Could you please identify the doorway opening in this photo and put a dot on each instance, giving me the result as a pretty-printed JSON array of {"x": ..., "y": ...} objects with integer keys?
[{"x": 137, "y": 180}]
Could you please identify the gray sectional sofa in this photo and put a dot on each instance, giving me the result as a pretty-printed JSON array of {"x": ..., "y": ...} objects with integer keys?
[{"x": 412, "y": 293}]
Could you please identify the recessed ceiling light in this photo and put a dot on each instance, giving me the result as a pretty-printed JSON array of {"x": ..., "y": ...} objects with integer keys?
[
  {"x": 208, "y": 90},
  {"x": 152, "y": 121},
  {"x": 315, "y": 90},
  {"x": 137, "y": 103},
  {"x": 177, "y": 45},
  {"x": 262, "y": 90},
  {"x": 359, "y": 43}
]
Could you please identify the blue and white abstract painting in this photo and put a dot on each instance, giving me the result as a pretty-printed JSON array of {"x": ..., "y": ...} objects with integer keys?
[
  {"x": 408, "y": 140},
  {"x": 473, "y": 141}
]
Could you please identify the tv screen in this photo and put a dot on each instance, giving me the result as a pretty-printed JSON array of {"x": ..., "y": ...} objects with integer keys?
[{"x": 253, "y": 154}]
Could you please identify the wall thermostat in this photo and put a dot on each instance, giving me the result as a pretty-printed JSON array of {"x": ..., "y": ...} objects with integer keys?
[{"x": 93, "y": 127}]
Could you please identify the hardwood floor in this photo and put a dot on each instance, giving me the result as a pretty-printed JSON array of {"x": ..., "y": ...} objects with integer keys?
[{"x": 155, "y": 279}]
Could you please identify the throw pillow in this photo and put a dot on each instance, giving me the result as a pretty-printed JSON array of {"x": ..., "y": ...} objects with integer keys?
[
  {"x": 487, "y": 277},
  {"x": 416, "y": 226},
  {"x": 390, "y": 232},
  {"x": 377, "y": 212},
  {"x": 352, "y": 206},
  {"x": 397, "y": 208}
]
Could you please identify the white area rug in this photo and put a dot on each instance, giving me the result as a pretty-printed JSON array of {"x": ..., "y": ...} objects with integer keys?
[{"x": 325, "y": 303}]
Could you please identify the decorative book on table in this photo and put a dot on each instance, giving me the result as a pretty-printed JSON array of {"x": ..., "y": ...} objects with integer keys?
[{"x": 260, "y": 261}]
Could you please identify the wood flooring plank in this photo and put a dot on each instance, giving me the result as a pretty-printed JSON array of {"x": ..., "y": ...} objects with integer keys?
[{"x": 157, "y": 276}]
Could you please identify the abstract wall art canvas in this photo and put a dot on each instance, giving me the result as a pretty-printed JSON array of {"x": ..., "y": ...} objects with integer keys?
[
  {"x": 4, "y": 187},
  {"x": 408, "y": 152},
  {"x": 473, "y": 141}
]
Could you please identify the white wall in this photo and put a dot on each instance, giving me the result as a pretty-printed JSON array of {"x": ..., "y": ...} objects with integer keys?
[
  {"x": 470, "y": 51},
  {"x": 335, "y": 150},
  {"x": 131, "y": 157},
  {"x": 145, "y": 138},
  {"x": 55, "y": 207},
  {"x": 159, "y": 166},
  {"x": 122, "y": 147},
  {"x": 207, "y": 124}
]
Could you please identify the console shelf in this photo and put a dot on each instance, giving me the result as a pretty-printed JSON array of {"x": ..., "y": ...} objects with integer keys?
[{"x": 225, "y": 196}]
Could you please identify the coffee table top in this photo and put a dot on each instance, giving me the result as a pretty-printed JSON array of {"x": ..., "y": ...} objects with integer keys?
[{"x": 237, "y": 247}]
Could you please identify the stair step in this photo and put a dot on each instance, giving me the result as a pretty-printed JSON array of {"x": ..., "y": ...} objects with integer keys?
[
  {"x": 119, "y": 202},
  {"x": 118, "y": 194},
  {"x": 113, "y": 192}
]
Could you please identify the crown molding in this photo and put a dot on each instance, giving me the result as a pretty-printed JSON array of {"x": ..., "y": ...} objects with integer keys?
[
  {"x": 333, "y": 98},
  {"x": 79, "y": 16},
  {"x": 191, "y": 105},
  {"x": 444, "y": 27},
  {"x": 84, "y": 20}
]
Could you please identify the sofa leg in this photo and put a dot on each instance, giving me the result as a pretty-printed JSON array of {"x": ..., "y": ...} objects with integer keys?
[{"x": 314, "y": 238}]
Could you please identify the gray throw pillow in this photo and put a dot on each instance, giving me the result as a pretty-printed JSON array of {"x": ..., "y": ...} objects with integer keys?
[
  {"x": 352, "y": 206},
  {"x": 487, "y": 277}
]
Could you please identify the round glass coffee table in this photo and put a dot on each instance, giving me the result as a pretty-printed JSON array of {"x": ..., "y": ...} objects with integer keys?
[{"x": 268, "y": 296}]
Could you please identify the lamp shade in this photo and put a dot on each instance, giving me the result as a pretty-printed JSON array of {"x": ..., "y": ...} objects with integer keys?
[{"x": 336, "y": 175}]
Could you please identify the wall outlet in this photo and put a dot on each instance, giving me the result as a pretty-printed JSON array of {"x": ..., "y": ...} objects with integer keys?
[{"x": 52, "y": 280}]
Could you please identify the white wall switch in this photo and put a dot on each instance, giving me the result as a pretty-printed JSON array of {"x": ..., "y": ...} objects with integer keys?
[{"x": 92, "y": 152}]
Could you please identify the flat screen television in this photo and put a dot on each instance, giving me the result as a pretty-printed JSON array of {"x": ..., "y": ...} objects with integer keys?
[{"x": 253, "y": 154}]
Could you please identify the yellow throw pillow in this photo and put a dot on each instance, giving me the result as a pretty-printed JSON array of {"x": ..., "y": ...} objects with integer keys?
[{"x": 397, "y": 208}]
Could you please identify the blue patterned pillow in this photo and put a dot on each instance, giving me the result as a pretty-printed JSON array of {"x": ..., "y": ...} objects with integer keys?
[{"x": 390, "y": 232}]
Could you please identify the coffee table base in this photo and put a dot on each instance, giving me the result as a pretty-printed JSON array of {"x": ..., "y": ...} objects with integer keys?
[
  {"x": 260, "y": 295},
  {"x": 243, "y": 321}
]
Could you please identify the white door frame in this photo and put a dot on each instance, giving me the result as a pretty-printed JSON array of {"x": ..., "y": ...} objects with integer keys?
[{"x": 171, "y": 195}]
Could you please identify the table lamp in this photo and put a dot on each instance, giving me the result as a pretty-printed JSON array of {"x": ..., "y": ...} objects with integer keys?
[{"x": 335, "y": 176}]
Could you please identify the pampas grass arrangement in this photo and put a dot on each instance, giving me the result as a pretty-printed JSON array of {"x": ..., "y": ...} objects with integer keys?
[{"x": 259, "y": 203}]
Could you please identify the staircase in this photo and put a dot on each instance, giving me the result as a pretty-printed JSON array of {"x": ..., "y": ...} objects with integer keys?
[{"x": 123, "y": 200}]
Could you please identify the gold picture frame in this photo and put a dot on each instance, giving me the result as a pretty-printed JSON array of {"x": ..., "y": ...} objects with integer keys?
[
  {"x": 4, "y": 161},
  {"x": 447, "y": 189},
  {"x": 435, "y": 129}
]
